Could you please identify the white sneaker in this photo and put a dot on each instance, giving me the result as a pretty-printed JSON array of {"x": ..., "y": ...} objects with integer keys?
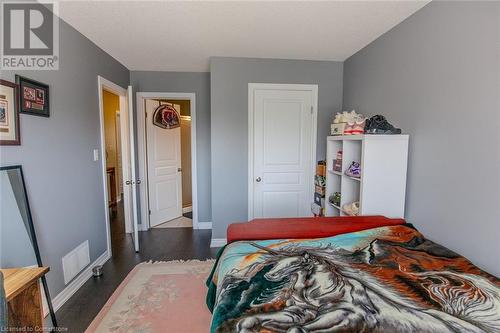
[
  {"x": 348, "y": 117},
  {"x": 337, "y": 119}
]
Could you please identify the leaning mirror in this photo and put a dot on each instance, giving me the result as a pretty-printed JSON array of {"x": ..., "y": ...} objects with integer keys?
[{"x": 18, "y": 244}]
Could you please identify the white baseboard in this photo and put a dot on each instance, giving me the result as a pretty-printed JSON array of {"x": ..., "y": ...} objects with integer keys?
[
  {"x": 187, "y": 209},
  {"x": 218, "y": 242},
  {"x": 204, "y": 225},
  {"x": 77, "y": 282}
]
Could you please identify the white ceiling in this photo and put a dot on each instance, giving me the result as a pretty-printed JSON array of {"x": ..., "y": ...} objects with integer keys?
[{"x": 182, "y": 35}]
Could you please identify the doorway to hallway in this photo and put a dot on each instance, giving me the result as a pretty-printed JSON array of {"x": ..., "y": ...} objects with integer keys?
[
  {"x": 168, "y": 142},
  {"x": 166, "y": 125}
]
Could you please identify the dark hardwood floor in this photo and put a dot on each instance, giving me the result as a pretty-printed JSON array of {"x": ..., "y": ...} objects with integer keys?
[{"x": 156, "y": 244}]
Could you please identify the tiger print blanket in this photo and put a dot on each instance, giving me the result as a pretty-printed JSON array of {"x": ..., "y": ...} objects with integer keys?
[{"x": 387, "y": 279}]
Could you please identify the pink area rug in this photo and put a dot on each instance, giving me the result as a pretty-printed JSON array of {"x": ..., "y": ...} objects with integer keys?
[{"x": 158, "y": 297}]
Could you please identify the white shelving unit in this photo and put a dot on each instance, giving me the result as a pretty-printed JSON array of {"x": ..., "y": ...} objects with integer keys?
[{"x": 381, "y": 189}]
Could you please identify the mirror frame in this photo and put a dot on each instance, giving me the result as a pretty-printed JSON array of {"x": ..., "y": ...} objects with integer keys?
[{"x": 34, "y": 242}]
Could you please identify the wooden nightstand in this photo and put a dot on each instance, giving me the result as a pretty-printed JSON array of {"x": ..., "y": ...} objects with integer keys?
[{"x": 24, "y": 299}]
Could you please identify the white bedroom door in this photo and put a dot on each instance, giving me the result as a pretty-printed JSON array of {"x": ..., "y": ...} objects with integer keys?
[
  {"x": 164, "y": 169},
  {"x": 130, "y": 182},
  {"x": 282, "y": 142}
]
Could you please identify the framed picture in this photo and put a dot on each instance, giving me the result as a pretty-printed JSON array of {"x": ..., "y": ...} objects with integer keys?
[
  {"x": 33, "y": 97},
  {"x": 9, "y": 116}
]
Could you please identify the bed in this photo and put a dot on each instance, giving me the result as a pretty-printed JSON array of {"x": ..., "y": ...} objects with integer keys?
[{"x": 365, "y": 274}]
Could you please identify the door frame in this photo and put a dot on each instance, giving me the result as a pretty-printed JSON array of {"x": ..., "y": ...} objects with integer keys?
[
  {"x": 141, "y": 145},
  {"x": 252, "y": 87},
  {"x": 104, "y": 84}
]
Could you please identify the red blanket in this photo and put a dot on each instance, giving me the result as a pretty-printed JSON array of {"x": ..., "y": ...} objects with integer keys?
[{"x": 305, "y": 227}]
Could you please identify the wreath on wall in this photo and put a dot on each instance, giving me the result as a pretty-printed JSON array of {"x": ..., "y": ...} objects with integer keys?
[{"x": 166, "y": 116}]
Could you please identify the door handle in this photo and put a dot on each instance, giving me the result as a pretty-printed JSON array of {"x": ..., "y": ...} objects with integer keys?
[
  {"x": 138, "y": 181},
  {"x": 128, "y": 182},
  {"x": 258, "y": 179},
  {"x": 179, "y": 169}
]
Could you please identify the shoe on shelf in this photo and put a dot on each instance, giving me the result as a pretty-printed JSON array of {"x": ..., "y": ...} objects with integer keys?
[
  {"x": 358, "y": 127},
  {"x": 351, "y": 209},
  {"x": 348, "y": 128},
  {"x": 355, "y": 124},
  {"x": 347, "y": 117},
  {"x": 341, "y": 117},
  {"x": 379, "y": 125},
  {"x": 337, "y": 163},
  {"x": 354, "y": 170}
]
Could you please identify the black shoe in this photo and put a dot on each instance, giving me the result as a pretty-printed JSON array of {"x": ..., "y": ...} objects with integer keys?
[{"x": 379, "y": 125}]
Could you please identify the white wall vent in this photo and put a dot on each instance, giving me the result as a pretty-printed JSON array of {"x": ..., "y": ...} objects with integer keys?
[{"x": 75, "y": 261}]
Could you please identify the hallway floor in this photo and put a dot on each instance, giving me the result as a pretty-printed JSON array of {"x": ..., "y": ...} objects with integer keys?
[
  {"x": 180, "y": 222},
  {"x": 157, "y": 244}
]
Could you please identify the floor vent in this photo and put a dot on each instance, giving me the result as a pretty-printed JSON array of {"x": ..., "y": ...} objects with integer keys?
[{"x": 75, "y": 261}]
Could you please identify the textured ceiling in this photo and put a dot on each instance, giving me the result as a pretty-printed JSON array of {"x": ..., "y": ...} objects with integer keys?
[{"x": 181, "y": 36}]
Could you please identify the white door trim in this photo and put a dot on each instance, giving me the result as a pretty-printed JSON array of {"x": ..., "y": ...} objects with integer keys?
[
  {"x": 105, "y": 84},
  {"x": 313, "y": 88},
  {"x": 141, "y": 145}
]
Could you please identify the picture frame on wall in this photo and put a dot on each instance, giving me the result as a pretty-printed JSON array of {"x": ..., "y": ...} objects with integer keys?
[
  {"x": 33, "y": 97},
  {"x": 9, "y": 115}
]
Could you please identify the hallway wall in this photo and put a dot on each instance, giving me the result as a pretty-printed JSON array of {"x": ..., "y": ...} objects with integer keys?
[
  {"x": 184, "y": 109},
  {"x": 111, "y": 104},
  {"x": 186, "y": 162}
]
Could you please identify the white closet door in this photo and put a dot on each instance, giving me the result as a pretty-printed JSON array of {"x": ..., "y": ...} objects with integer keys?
[{"x": 282, "y": 152}]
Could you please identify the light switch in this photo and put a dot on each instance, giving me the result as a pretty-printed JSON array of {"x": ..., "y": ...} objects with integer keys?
[{"x": 96, "y": 155}]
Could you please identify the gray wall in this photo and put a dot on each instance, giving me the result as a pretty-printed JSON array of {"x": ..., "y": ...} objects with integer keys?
[
  {"x": 198, "y": 83},
  {"x": 64, "y": 184},
  {"x": 229, "y": 90},
  {"x": 437, "y": 75}
]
